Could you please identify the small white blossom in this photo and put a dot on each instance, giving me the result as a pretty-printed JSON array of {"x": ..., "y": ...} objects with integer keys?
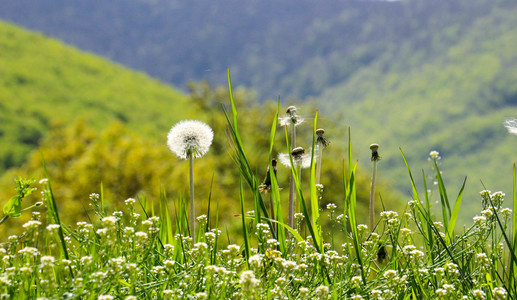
[
  {"x": 499, "y": 293},
  {"x": 32, "y": 224},
  {"x": 434, "y": 155},
  {"x": 130, "y": 201}
]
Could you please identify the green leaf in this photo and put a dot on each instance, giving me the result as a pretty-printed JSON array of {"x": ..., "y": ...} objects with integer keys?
[{"x": 13, "y": 207}]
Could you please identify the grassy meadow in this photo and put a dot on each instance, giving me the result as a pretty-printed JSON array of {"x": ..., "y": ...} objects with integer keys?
[{"x": 143, "y": 249}]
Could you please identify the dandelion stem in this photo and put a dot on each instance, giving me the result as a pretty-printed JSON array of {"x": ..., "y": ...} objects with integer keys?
[
  {"x": 319, "y": 155},
  {"x": 299, "y": 173},
  {"x": 192, "y": 208},
  {"x": 372, "y": 196},
  {"x": 292, "y": 195},
  {"x": 375, "y": 158}
]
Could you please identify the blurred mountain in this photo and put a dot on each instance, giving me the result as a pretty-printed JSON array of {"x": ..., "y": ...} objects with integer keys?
[{"x": 277, "y": 47}]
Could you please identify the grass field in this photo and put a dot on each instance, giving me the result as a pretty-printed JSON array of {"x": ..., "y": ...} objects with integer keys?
[{"x": 141, "y": 252}]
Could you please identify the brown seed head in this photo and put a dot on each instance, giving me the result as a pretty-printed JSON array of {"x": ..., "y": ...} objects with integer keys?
[{"x": 298, "y": 151}]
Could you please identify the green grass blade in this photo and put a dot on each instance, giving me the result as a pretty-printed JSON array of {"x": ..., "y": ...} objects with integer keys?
[
  {"x": 314, "y": 195},
  {"x": 244, "y": 228},
  {"x": 275, "y": 190},
  {"x": 273, "y": 130},
  {"x": 446, "y": 208},
  {"x": 413, "y": 186},
  {"x": 241, "y": 160},
  {"x": 234, "y": 110},
  {"x": 455, "y": 213},
  {"x": 52, "y": 208},
  {"x": 207, "y": 227},
  {"x": 429, "y": 236}
]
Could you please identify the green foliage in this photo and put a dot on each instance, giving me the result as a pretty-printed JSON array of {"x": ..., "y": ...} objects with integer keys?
[
  {"x": 42, "y": 80},
  {"x": 13, "y": 207}
]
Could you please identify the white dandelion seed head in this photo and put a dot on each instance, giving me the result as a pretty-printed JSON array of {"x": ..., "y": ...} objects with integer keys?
[
  {"x": 190, "y": 137},
  {"x": 511, "y": 125},
  {"x": 300, "y": 158}
]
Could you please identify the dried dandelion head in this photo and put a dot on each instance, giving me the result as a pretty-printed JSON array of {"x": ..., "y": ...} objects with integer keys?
[
  {"x": 190, "y": 138},
  {"x": 291, "y": 118},
  {"x": 320, "y": 138},
  {"x": 375, "y": 153}
]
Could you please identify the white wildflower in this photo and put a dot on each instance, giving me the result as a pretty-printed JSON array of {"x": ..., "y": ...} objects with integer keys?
[
  {"x": 478, "y": 294},
  {"x": 248, "y": 281},
  {"x": 322, "y": 292},
  {"x": 434, "y": 154},
  {"x": 499, "y": 293},
  {"x": 53, "y": 228},
  {"x": 32, "y": 224},
  {"x": 130, "y": 201}
]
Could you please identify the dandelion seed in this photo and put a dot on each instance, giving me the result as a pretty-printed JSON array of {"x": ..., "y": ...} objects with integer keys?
[{"x": 511, "y": 125}]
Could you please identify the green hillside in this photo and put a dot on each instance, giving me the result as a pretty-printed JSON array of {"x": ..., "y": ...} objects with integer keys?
[
  {"x": 452, "y": 99},
  {"x": 97, "y": 123},
  {"x": 42, "y": 80}
]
